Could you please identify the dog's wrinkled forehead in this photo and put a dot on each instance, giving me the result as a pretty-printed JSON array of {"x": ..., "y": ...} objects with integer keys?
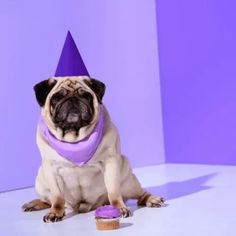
[{"x": 72, "y": 84}]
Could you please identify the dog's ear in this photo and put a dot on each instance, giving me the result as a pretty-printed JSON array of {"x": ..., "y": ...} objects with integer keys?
[
  {"x": 98, "y": 88},
  {"x": 42, "y": 90}
]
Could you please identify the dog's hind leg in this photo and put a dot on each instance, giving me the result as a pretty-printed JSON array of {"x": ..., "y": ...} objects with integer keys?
[
  {"x": 35, "y": 205},
  {"x": 131, "y": 189},
  {"x": 150, "y": 200}
]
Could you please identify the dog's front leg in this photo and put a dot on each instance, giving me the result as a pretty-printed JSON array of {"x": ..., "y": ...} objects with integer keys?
[
  {"x": 112, "y": 182},
  {"x": 57, "y": 210}
]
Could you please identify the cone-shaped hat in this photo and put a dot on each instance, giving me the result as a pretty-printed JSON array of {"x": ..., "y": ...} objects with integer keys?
[{"x": 70, "y": 63}]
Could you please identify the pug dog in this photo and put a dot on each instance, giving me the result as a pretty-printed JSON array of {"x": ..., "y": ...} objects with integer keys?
[{"x": 71, "y": 109}]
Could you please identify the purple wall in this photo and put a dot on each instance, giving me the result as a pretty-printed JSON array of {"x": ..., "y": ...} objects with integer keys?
[
  {"x": 197, "y": 50},
  {"x": 118, "y": 47}
]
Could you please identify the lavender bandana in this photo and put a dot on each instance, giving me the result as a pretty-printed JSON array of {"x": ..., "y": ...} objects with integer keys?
[{"x": 79, "y": 152}]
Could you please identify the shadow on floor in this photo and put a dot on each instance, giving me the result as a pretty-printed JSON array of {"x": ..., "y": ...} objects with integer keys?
[
  {"x": 178, "y": 189},
  {"x": 124, "y": 225}
]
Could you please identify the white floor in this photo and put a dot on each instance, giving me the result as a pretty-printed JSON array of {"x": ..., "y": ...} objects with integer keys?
[{"x": 201, "y": 200}]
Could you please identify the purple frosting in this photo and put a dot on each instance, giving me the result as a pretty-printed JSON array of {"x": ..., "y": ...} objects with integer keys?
[
  {"x": 107, "y": 211},
  {"x": 79, "y": 152}
]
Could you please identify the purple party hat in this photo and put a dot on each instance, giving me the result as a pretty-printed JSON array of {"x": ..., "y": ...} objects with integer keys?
[{"x": 70, "y": 63}]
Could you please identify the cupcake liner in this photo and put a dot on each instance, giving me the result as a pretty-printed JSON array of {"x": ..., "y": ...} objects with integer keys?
[{"x": 107, "y": 224}]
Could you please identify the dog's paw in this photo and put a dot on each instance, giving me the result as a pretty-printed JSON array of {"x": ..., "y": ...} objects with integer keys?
[
  {"x": 155, "y": 201},
  {"x": 35, "y": 205},
  {"x": 53, "y": 217},
  {"x": 27, "y": 207},
  {"x": 125, "y": 212}
]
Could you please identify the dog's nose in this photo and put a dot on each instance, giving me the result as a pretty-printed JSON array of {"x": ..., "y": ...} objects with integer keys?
[{"x": 72, "y": 117}]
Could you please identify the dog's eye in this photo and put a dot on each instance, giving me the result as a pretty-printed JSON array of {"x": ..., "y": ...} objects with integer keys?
[
  {"x": 87, "y": 96},
  {"x": 80, "y": 91},
  {"x": 57, "y": 97}
]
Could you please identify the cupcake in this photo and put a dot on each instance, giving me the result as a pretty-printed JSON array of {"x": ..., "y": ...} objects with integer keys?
[{"x": 107, "y": 217}]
